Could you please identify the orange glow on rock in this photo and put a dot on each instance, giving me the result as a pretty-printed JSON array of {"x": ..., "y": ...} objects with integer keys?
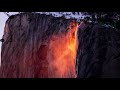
[{"x": 62, "y": 53}]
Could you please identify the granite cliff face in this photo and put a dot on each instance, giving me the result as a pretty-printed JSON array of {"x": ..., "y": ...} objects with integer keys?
[
  {"x": 36, "y": 46},
  {"x": 43, "y": 46},
  {"x": 98, "y": 54}
]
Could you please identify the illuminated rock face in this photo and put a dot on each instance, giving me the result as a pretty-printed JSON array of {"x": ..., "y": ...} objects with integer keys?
[
  {"x": 62, "y": 50},
  {"x": 42, "y": 46},
  {"x": 98, "y": 54},
  {"x": 38, "y": 46}
]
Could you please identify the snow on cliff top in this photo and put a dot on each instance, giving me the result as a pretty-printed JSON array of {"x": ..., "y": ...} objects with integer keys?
[{"x": 68, "y": 15}]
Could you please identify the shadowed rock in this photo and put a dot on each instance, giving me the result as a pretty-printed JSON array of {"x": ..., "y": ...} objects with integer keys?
[{"x": 98, "y": 54}]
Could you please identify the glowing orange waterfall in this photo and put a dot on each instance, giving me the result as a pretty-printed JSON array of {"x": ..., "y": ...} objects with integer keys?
[{"x": 63, "y": 53}]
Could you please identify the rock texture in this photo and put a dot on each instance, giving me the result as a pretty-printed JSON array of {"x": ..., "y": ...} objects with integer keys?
[
  {"x": 98, "y": 54},
  {"x": 36, "y": 46},
  {"x": 43, "y": 46}
]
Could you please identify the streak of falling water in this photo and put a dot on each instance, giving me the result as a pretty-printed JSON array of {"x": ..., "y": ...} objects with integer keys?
[{"x": 63, "y": 54}]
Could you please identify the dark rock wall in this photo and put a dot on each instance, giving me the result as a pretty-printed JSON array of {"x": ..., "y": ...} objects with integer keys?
[{"x": 98, "y": 54}]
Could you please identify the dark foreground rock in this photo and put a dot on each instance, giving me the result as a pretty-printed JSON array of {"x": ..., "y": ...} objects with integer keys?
[{"x": 98, "y": 54}]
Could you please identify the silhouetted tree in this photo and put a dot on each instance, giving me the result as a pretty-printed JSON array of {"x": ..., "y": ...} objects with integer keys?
[{"x": 112, "y": 18}]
